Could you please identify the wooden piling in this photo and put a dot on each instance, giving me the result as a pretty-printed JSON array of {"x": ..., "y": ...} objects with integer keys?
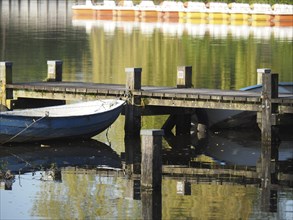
[
  {"x": 133, "y": 78},
  {"x": 268, "y": 122},
  {"x": 6, "y": 78},
  {"x": 151, "y": 159},
  {"x": 54, "y": 70},
  {"x": 260, "y": 72},
  {"x": 132, "y": 109},
  {"x": 184, "y": 77},
  {"x": 184, "y": 80},
  {"x": 181, "y": 121}
]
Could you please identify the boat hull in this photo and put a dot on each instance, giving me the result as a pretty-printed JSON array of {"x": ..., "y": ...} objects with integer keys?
[
  {"x": 108, "y": 13},
  {"x": 83, "y": 10},
  {"x": 148, "y": 13},
  {"x": 239, "y": 16},
  {"x": 260, "y": 17},
  {"x": 15, "y": 128},
  {"x": 224, "y": 119},
  {"x": 242, "y": 147},
  {"x": 218, "y": 16},
  {"x": 171, "y": 14},
  {"x": 196, "y": 15},
  {"x": 283, "y": 18},
  {"x": 124, "y": 12}
]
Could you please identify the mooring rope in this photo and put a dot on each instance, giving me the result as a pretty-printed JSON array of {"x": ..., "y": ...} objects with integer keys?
[
  {"x": 20, "y": 158},
  {"x": 34, "y": 122}
]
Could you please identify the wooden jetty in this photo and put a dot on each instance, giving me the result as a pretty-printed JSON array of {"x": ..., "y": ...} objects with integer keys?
[
  {"x": 179, "y": 101},
  {"x": 146, "y": 100}
]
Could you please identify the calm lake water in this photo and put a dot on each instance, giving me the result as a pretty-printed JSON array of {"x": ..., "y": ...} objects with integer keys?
[{"x": 223, "y": 56}]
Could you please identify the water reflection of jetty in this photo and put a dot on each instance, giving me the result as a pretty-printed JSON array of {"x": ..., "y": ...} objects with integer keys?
[
  {"x": 100, "y": 167},
  {"x": 194, "y": 29},
  {"x": 212, "y": 159}
]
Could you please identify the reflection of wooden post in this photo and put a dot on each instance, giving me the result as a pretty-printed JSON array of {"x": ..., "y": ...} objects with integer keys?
[
  {"x": 54, "y": 70},
  {"x": 184, "y": 76},
  {"x": 151, "y": 159},
  {"x": 269, "y": 200},
  {"x": 133, "y": 189},
  {"x": 268, "y": 120},
  {"x": 183, "y": 188},
  {"x": 132, "y": 155},
  {"x": 5, "y": 78},
  {"x": 151, "y": 205},
  {"x": 132, "y": 109}
]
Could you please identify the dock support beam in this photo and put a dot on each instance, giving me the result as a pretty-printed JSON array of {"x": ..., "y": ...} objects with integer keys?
[
  {"x": 132, "y": 110},
  {"x": 6, "y": 78},
  {"x": 151, "y": 159},
  {"x": 269, "y": 139}
]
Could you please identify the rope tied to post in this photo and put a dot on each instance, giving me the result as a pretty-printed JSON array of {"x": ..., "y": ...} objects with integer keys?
[{"x": 27, "y": 127}]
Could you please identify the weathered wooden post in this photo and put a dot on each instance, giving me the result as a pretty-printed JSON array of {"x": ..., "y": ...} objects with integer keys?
[
  {"x": 260, "y": 73},
  {"x": 151, "y": 159},
  {"x": 184, "y": 76},
  {"x": 184, "y": 80},
  {"x": 133, "y": 78},
  {"x": 6, "y": 78},
  {"x": 132, "y": 109},
  {"x": 181, "y": 121},
  {"x": 54, "y": 70},
  {"x": 268, "y": 122}
]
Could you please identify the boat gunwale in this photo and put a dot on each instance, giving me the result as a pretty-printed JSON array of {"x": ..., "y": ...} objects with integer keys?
[
  {"x": 259, "y": 86},
  {"x": 45, "y": 111}
]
